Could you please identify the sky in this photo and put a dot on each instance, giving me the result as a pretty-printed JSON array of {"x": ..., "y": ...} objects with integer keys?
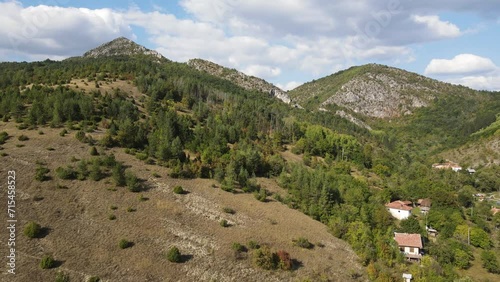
[{"x": 286, "y": 42}]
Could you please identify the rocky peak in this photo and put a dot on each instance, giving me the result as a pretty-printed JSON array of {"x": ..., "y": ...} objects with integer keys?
[
  {"x": 121, "y": 46},
  {"x": 239, "y": 78}
]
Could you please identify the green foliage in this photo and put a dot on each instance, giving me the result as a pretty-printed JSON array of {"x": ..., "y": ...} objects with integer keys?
[
  {"x": 132, "y": 182},
  {"x": 224, "y": 223},
  {"x": 174, "y": 255},
  {"x": 237, "y": 247},
  {"x": 23, "y": 137},
  {"x": 261, "y": 195},
  {"x": 253, "y": 245},
  {"x": 41, "y": 173},
  {"x": 179, "y": 190},
  {"x": 118, "y": 174},
  {"x": 303, "y": 243},
  {"x": 95, "y": 172},
  {"x": 93, "y": 151},
  {"x": 63, "y": 133},
  {"x": 112, "y": 217},
  {"x": 490, "y": 261},
  {"x": 265, "y": 258},
  {"x": 410, "y": 225},
  {"x": 47, "y": 262},
  {"x": 94, "y": 279},
  {"x": 3, "y": 137},
  {"x": 62, "y": 277},
  {"x": 32, "y": 230},
  {"x": 124, "y": 243}
]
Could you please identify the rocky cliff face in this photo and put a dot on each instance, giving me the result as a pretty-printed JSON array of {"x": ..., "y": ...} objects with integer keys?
[
  {"x": 121, "y": 47},
  {"x": 239, "y": 78},
  {"x": 379, "y": 95},
  {"x": 373, "y": 91}
]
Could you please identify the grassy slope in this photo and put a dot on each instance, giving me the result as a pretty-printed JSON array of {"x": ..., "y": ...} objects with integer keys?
[{"x": 85, "y": 241}]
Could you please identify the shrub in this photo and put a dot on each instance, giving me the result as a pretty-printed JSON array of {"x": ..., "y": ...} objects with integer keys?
[
  {"x": 63, "y": 132},
  {"x": 174, "y": 255},
  {"x": 490, "y": 261},
  {"x": 224, "y": 223},
  {"x": 41, "y": 173},
  {"x": 113, "y": 207},
  {"x": 112, "y": 217},
  {"x": 142, "y": 198},
  {"x": 40, "y": 132},
  {"x": 32, "y": 229},
  {"x": 303, "y": 243},
  {"x": 132, "y": 182},
  {"x": 228, "y": 210},
  {"x": 237, "y": 247},
  {"x": 23, "y": 138},
  {"x": 93, "y": 151},
  {"x": 261, "y": 195},
  {"x": 124, "y": 243},
  {"x": 118, "y": 175},
  {"x": 179, "y": 190},
  {"x": 62, "y": 277},
  {"x": 253, "y": 245},
  {"x": 265, "y": 259},
  {"x": 66, "y": 173},
  {"x": 129, "y": 209},
  {"x": 285, "y": 261},
  {"x": 3, "y": 137},
  {"x": 94, "y": 279},
  {"x": 47, "y": 262}
]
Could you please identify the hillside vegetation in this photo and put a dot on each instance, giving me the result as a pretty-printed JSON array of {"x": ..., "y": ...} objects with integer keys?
[{"x": 195, "y": 177}]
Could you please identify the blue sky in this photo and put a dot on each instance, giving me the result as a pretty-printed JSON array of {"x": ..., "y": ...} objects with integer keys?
[{"x": 287, "y": 42}]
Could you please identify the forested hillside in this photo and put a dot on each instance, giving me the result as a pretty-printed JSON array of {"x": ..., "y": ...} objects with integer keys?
[{"x": 199, "y": 126}]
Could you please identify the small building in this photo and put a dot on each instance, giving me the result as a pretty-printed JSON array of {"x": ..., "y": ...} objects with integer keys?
[
  {"x": 447, "y": 165},
  {"x": 400, "y": 209},
  {"x": 410, "y": 245},
  {"x": 424, "y": 204}
]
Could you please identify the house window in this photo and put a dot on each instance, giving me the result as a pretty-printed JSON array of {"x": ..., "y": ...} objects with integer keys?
[{"x": 412, "y": 250}]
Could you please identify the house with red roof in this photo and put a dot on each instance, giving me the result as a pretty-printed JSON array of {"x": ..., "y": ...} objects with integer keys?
[
  {"x": 410, "y": 245},
  {"x": 400, "y": 209}
]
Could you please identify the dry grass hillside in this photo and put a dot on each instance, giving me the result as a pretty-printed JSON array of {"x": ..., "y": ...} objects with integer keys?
[{"x": 81, "y": 236}]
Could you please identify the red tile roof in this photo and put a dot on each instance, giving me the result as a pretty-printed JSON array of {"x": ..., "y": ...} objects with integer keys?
[
  {"x": 399, "y": 205},
  {"x": 408, "y": 240}
]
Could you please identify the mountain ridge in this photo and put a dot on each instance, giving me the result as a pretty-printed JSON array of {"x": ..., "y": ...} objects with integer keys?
[{"x": 239, "y": 78}]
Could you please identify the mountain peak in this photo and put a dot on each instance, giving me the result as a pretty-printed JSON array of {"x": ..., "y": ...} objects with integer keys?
[{"x": 121, "y": 46}]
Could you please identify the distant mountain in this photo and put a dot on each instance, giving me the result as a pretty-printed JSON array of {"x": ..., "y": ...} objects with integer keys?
[
  {"x": 374, "y": 91},
  {"x": 121, "y": 47},
  {"x": 239, "y": 78}
]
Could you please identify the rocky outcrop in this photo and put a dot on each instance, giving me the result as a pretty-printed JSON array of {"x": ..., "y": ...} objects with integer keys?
[
  {"x": 240, "y": 79},
  {"x": 122, "y": 47},
  {"x": 379, "y": 95}
]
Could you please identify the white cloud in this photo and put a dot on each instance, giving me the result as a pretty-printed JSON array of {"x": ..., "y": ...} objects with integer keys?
[
  {"x": 438, "y": 28},
  {"x": 55, "y": 32},
  {"x": 289, "y": 85},
  {"x": 262, "y": 71},
  {"x": 485, "y": 82},
  {"x": 466, "y": 69},
  {"x": 461, "y": 64}
]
